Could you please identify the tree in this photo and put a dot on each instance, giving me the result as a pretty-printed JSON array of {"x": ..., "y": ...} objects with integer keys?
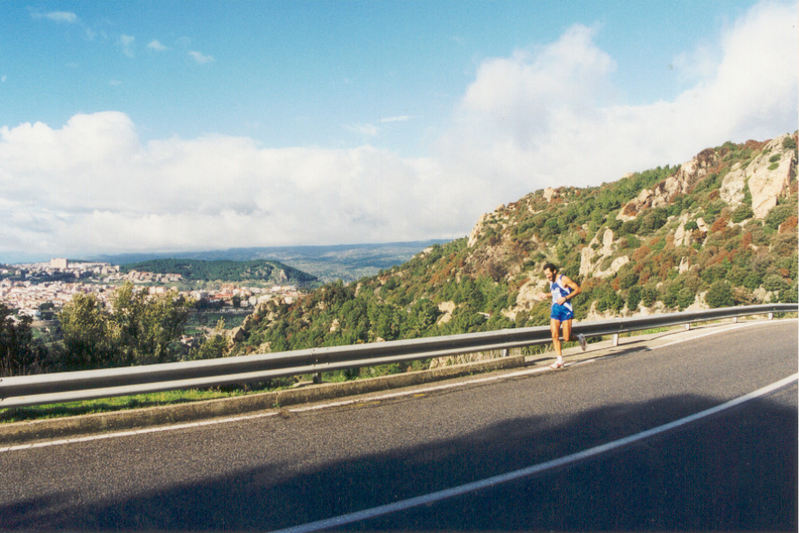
[
  {"x": 214, "y": 346},
  {"x": 136, "y": 329},
  {"x": 145, "y": 327},
  {"x": 87, "y": 334},
  {"x": 19, "y": 354},
  {"x": 422, "y": 316}
]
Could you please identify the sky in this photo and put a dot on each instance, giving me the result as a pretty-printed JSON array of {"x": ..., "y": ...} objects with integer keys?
[{"x": 145, "y": 126}]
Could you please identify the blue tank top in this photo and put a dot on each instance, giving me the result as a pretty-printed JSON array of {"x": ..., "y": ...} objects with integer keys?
[{"x": 559, "y": 290}]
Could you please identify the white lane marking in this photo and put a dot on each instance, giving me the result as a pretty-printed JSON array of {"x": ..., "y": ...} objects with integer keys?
[
  {"x": 419, "y": 391},
  {"x": 716, "y": 332},
  {"x": 176, "y": 427},
  {"x": 542, "y": 467},
  {"x": 335, "y": 404},
  {"x": 132, "y": 432}
]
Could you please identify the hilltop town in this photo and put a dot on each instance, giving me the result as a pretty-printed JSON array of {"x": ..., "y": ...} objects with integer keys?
[{"x": 40, "y": 289}]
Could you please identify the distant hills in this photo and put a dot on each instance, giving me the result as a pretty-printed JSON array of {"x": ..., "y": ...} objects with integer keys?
[
  {"x": 259, "y": 270},
  {"x": 346, "y": 262},
  {"x": 718, "y": 230}
]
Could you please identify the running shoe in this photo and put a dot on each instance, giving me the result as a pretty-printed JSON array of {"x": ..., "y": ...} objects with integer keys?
[{"x": 581, "y": 340}]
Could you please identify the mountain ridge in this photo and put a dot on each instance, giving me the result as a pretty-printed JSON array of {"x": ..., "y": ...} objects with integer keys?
[
  {"x": 347, "y": 262},
  {"x": 260, "y": 270}
]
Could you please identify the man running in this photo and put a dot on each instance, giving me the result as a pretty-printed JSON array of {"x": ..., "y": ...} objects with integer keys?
[{"x": 561, "y": 290}]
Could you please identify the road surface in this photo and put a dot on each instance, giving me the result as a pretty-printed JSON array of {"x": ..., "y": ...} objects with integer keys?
[{"x": 733, "y": 469}]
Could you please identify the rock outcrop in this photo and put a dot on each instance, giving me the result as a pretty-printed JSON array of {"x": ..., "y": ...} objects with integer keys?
[
  {"x": 592, "y": 257},
  {"x": 767, "y": 176},
  {"x": 690, "y": 173},
  {"x": 767, "y": 183}
]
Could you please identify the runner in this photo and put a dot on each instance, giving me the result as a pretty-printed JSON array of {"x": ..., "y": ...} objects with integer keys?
[{"x": 561, "y": 290}]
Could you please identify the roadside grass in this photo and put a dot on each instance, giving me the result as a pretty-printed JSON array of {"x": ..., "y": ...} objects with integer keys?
[
  {"x": 121, "y": 403},
  {"x": 106, "y": 405}
]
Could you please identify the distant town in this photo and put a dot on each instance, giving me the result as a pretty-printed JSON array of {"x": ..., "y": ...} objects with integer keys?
[{"x": 39, "y": 290}]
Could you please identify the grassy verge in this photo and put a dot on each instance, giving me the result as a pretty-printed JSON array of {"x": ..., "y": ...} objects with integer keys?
[
  {"x": 121, "y": 403},
  {"x": 106, "y": 405}
]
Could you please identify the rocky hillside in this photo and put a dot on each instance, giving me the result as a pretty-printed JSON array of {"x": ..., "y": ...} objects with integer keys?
[{"x": 718, "y": 230}]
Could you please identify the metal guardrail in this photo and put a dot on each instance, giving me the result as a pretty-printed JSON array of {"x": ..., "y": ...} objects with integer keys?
[{"x": 24, "y": 391}]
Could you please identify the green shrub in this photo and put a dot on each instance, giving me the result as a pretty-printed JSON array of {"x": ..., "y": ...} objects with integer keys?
[
  {"x": 685, "y": 298},
  {"x": 779, "y": 214},
  {"x": 753, "y": 280},
  {"x": 790, "y": 295},
  {"x": 719, "y": 295},
  {"x": 634, "y": 297},
  {"x": 649, "y": 296},
  {"x": 773, "y": 282},
  {"x": 713, "y": 273},
  {"x": 742, "y": 212},
  {"x": 737, "y": 275}
]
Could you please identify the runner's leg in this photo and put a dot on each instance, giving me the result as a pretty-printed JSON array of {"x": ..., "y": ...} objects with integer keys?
[
  {"x": 554, "y": 326},
  {"x": 567, "y": 330}
]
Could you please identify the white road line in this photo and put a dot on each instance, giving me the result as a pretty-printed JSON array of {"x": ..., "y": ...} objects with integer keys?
[
  {"x": 419, "y": 391},
  {"x": 132, "y": 432},
  {"x": 716, "y": 332},
  {"x": 542, "y": 467},
  {"x": 176, "y": 427}
]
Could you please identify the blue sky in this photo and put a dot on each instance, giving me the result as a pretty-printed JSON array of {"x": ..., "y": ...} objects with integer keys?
[{"x": 170, "y": 126}]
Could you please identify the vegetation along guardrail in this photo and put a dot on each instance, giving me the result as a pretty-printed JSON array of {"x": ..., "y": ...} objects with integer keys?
[{"x": 23, "y": 391}]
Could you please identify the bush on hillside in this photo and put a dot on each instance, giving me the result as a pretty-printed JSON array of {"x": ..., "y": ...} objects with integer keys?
[{"x": 719, "y": 295}]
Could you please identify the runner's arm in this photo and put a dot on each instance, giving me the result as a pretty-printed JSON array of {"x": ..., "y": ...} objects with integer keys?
[{"x": 572, "y": 285}]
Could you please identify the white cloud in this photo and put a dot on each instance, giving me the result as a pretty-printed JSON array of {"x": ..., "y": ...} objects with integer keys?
[
  {"x": 128, "y": 45},
  {"x": 695, "y": 65},
  {"x": 201, "y": 58},
  {"x": 57, "y": 16},
  {"x": 157, "y": 46},
  {"x": 550, "y": 116},
  {"x": 93, "y": 187}
]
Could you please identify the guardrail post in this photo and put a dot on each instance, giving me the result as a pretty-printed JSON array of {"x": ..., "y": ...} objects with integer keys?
[
  {"x": 735, "y": 320},
  {"x": 688, "y": 326},
  {"x": 317, "y": 378},
  {"x": 771, "y": 316},
  {"x": 615, "y": 339},
  {"x": 505, "y": 352}
]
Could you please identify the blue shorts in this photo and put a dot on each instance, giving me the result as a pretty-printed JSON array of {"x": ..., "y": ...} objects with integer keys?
[{"x": 561, "y": 313}]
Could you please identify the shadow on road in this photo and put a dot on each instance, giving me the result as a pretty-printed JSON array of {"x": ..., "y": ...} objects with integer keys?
[{"x": 734, "y": 471}]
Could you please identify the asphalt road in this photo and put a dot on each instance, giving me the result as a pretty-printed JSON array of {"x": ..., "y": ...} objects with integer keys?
[{"x": 735, "y": 470}]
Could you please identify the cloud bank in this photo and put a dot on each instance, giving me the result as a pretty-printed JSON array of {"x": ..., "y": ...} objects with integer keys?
[
  {"x": 546, "y": 116},
  {"x": 549, "y": 117}
]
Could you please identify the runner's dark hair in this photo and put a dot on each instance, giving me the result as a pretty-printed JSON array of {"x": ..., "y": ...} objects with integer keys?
[{"x": 552, "y": 268}]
